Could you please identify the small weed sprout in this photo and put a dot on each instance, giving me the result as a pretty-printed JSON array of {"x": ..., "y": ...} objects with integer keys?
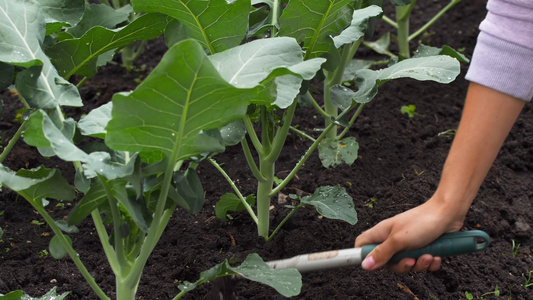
[
  {"x": 516, "y": 246},
  {"x": 448, "y": 133},
  {"x": 43, "y": 253},
  {"x": 371, "y": 202},
  {"x": 496, "y": 293},
  {"x": 469, "y": 296},
  {"x": 410, "y": 110},
  {"x": 528, "y": 282}
]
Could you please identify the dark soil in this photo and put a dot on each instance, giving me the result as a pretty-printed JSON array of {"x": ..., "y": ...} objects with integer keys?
[{"x": 399, "y": 166}]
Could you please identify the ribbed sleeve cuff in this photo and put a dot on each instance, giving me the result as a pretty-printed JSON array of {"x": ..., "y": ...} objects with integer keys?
[{"x": 503, "y": 66}]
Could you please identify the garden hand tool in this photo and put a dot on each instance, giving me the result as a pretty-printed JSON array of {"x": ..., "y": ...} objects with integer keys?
[{"x": 448, "y": 244}]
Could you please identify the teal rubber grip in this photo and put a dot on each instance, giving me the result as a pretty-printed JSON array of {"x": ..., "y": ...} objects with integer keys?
[{"x": 448, "y": 244}]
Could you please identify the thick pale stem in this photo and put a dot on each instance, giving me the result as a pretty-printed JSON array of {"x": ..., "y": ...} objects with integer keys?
[
  {"x": 264, "y": 188},
  {"x": 124, "y": 292},
  {"x": 403, "y": 14}
]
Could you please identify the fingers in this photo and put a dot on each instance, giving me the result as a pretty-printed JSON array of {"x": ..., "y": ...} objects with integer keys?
[{"x": 425, "y": 262}]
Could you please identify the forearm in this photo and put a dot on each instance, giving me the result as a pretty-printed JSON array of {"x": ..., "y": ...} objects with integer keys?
[{"x": 487, "y": 118}]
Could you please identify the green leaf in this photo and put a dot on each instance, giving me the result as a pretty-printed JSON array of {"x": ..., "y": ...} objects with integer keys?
[
  {"x": 64, "y": 226},
  {"x": 230, "y": 202},
  {"x": 425, "y": 51},
  {"x": 217, "y": 24},
  {"x": 100, "y": 15},
  {"x": 313, "y": 23},
  {"x": 334, "y": 203},
  {"x": 80, "y": 56},
  {"x": 94, "y": 123},
  {"x": 56, "y": 247},
  {"x": 357, "y": 28},
  {"x": 23, "y": 31},
  {"x": 15, "y": 295},
  {"x": 135, "y": 205},
  {"x": 42, "y": 132},
  {"x": 410, "y": 110},
  {"x": 92, "y": 200},
  {"x": 381, "y": 46},
  {"x": 1, "y": 233},
  {"x": 333, "y": 153},
  {"x": 287, "y": 282},
  {"x": 183, "y": 96},
  {"x": 62, "y": 12},
  {"x": 37, "y": 184},
  {"x": 50, "y": 295},
  {"x": 190, "y": 190},
  {"x": 233, "y": 133},
  {"x": 441, "y": 68},
  {"x": 353, "y": 67},
  {"x": 6, "y": 75},
  {"x": 109, "y": 166},
  {"x": 265, "y": 60}
]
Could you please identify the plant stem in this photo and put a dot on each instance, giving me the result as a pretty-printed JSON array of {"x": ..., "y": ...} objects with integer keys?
[
  {"x": 352, "y": 120},
  {"x": 316, "y": 106},
  {"x": 124, "y": 265},
  {"x": 235, "y": 188},
  {"x": 253, "y": 136},
  {"x": 302, "y": 160},
  {"x": 334, "y": 78},
  {"x": 104, "y": 238},
  {"x": 250, "y": 160},
  {"x": 434, "y": 19},
  {"x": 390, "y": 22},
  {"x": 13, "y": 140},
  {"x": 403, "y": 14},
  {"x": 305, "y": 135},
  {"x": 276, "y": 12},
  {"x": 68, "y": 247},
  {"x": 284, "y": 220},
  {"x": 264, "y": 187}
]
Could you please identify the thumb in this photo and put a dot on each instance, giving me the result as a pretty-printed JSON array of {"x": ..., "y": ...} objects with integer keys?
[
  {"x": 382, "y": 253},
  {"x": 378, "y": 257}
]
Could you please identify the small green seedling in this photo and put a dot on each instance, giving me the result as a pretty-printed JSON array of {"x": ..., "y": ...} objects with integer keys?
[
  {"x": 496, "y": 292},
  {"x": 38, "y": 223},
  {"x": 43, "y": 253},
  {"x": 410, "y": 110},
  {"x": 371, "y": 202},
  {"x": 528, "y": 282},
  {"x": 516, "y": 246},
  {"x": 448, "y": 133},
  {"x": 469, "y": 296}
]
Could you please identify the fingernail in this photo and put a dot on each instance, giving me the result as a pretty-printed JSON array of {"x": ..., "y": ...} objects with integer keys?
[
  {"x": 426, "y": 262},
  {"x": 368, "y": 263}
]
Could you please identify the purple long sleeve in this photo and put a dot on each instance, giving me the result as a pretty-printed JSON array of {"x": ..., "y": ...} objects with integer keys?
[{"x": 503, "y": 56}]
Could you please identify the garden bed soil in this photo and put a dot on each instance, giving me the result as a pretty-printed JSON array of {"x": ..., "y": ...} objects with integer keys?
[{"x": 399, "y": 164}]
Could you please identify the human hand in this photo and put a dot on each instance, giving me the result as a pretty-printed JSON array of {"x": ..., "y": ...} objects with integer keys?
[{"x": 412, "y": 229}]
